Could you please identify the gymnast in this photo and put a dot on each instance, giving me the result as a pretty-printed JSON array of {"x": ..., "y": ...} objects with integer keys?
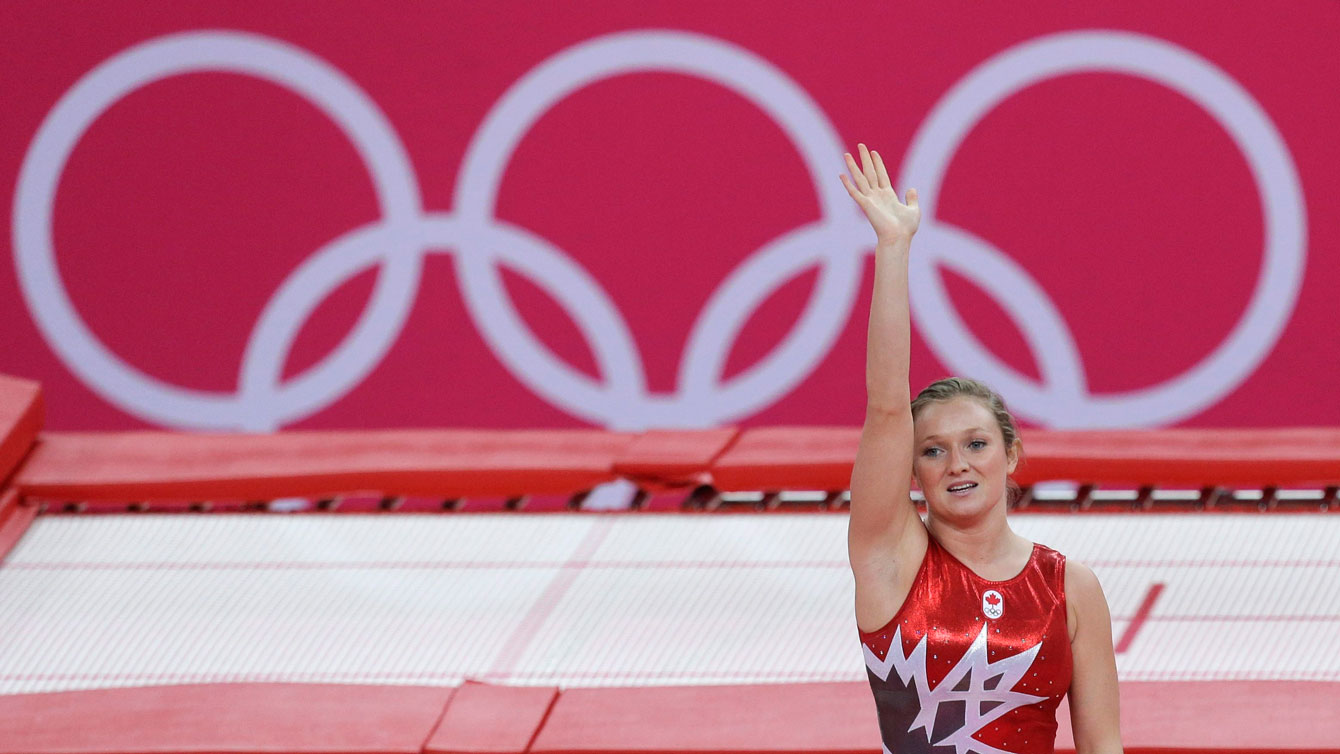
[{"x": 971, "y": 633}]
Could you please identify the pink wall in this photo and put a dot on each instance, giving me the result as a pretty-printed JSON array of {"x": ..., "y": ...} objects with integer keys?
[{"x": 1132, "y": 212}]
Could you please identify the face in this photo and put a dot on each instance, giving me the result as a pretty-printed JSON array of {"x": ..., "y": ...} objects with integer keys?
[{"x": 958, "y": 442}]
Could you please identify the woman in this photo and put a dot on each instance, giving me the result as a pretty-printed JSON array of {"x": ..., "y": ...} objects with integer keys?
[{"x": 971, "y": 633}]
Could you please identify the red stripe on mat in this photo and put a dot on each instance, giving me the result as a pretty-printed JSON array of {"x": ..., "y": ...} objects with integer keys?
[
  {"x": 1141, "y": 615},
  {"x": 530, "y": 626}
]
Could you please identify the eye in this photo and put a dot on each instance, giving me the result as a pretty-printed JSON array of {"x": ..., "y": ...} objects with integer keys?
[
  {"x": 929, "y": 451},
  {"x": 975, "y": 443}
]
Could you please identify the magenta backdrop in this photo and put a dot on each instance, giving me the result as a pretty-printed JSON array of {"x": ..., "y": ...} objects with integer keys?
[{"x": 189, "y": 201}]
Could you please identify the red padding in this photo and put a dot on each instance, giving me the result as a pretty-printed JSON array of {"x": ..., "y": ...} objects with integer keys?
[
  {"x": 1194, "y": 716},
  {"x": 659, "y": 459},
  {"x": 788, "y": 458},
  {"x": 245, "y": 717},
  {"x": 1172, "y": 716},
  {"x": 805, "y": 717},
  {"x": 21, "y": 414},
  {"x": 15, "y": 518},
  {"x": 491, "y": 719},
  {"x": 820, "y": 458},
  {"x": 1265, "y": 456},
  {"x": 448, "y": 463},
  {"x": 1229, "y": 716}
]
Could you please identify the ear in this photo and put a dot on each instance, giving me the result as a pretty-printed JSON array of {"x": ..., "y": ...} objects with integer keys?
[{"x": 1013, "y": 455}]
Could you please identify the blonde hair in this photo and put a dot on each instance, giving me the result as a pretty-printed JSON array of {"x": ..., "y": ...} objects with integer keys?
[{"x": 953, "y": 387}]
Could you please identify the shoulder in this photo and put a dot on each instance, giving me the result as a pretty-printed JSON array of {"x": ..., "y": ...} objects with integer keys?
[
  {"x": 1085, "y": 602},
  {"x": 1079, "y": 579}
]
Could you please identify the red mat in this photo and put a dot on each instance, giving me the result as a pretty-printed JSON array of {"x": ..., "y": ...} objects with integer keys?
[{"x": 1204, "y": 716}]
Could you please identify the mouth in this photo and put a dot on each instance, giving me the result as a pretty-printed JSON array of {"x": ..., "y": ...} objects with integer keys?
[{"x": 963, "y": 488}]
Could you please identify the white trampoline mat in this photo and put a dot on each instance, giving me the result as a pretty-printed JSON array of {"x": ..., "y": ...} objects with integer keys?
[{"x": 570, "y": 600}]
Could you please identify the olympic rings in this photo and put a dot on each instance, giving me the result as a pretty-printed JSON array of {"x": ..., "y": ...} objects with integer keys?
[{"x": 620, "y": 399}]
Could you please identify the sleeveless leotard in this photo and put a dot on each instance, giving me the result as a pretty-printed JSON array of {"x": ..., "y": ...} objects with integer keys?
[{"x": 972, "y": 665}]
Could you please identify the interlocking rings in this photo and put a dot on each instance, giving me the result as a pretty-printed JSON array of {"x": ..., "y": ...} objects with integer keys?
[
  {"x": 1064, "y": 400},
  {"x": 621, "y": 399},
  {"x": 481, "y": 243}
]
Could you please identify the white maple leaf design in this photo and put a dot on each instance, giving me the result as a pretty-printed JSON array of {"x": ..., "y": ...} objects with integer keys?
[{"x": 973, "y": 666}]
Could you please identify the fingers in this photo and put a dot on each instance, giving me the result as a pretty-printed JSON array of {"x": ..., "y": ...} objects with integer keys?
[
  {"x": 880, "y": 172},
  {"x": 857, "y": 176},
  {"x": 851, "y": 189},
  {"x": 871, "y": 176},
  {"x": 868, "y": 167}
]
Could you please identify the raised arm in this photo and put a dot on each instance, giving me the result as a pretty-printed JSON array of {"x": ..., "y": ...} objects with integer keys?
[{"x": 881, "y": 479}]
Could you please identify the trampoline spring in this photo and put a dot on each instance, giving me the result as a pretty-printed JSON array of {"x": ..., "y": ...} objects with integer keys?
[
  {"x": 640, "y": 498},
  {"x": 699, "y": 498},
  {"x": 1269, "y": 498},
  {"x": 575, "y": 502},
  {"x": 714, "y": 502},
  {"x": 1209, "y": 497},
  {"x": 1144, "y": 499},
  {"x": 1083, "y": 498}
]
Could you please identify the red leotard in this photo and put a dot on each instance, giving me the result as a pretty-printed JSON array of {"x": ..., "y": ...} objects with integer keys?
[{"x": 971, "y": 665}]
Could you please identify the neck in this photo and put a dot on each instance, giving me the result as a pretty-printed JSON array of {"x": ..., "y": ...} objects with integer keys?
[{"x": 981, "y": 540}]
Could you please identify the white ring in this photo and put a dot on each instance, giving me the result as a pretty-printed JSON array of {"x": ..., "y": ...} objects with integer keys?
[
  {"x": 623, "y": 401},
  {"x": 277, "y": 62},
  {"x": 1063, "y": 400}
]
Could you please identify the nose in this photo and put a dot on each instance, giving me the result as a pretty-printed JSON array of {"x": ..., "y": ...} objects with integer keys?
[{"x": 957, "y": 461}]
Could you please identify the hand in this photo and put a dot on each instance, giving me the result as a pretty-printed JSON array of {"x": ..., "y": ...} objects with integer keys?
[{"x": 892, "y": 220}]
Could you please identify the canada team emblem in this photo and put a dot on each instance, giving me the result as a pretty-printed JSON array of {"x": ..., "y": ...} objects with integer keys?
[{"x": 993, "y": 605}]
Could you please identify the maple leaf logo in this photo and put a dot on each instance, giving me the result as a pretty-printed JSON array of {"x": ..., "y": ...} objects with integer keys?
[
  {"x": 993, "y": 605},
  {"x": 983, "y": 690}
]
